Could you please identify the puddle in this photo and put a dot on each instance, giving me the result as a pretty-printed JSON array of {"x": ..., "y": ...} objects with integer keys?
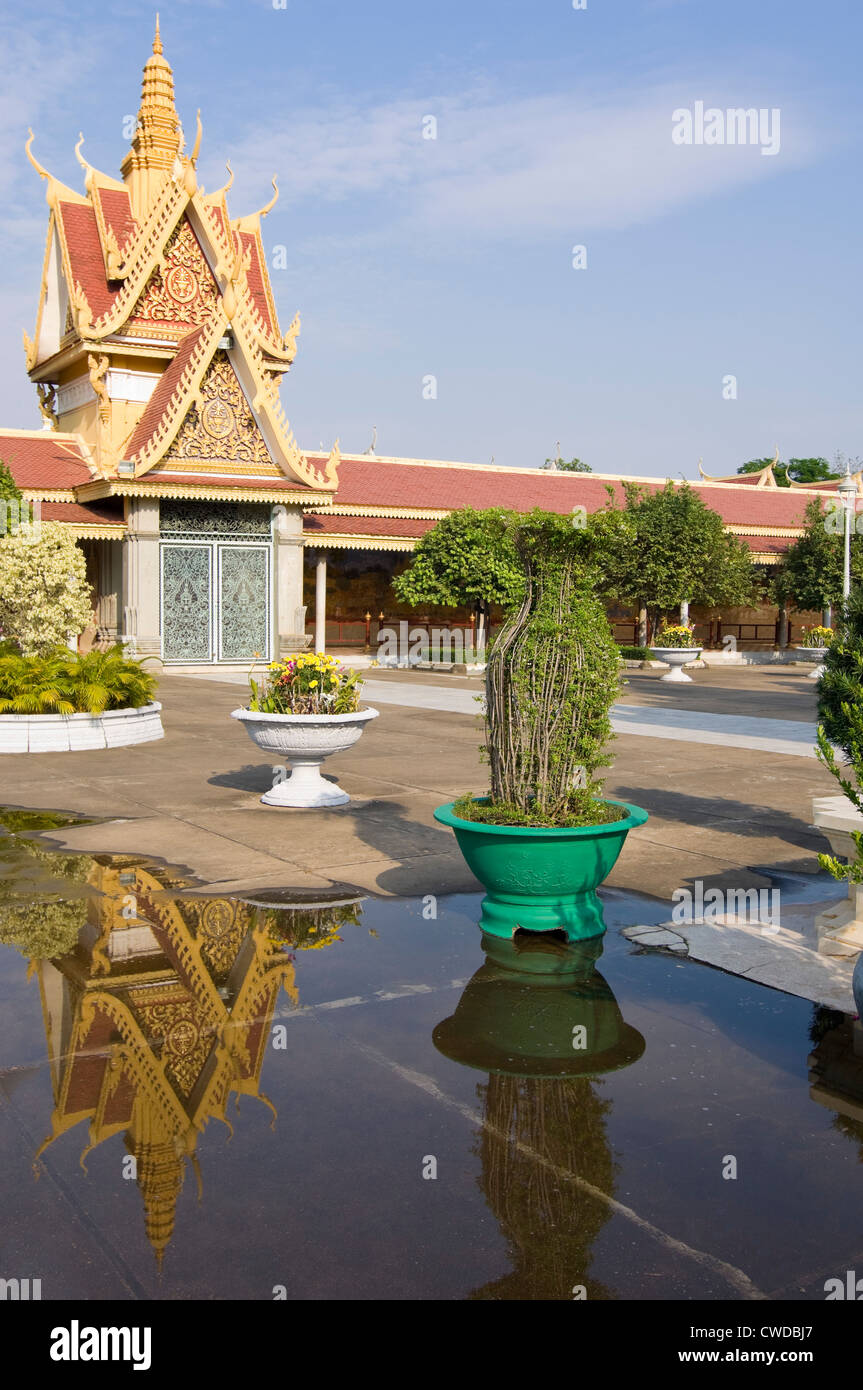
[{"x": 340, "y": 1097}]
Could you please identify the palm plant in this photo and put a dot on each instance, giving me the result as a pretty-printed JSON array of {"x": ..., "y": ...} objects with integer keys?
[{"x": 63, "y": 682}]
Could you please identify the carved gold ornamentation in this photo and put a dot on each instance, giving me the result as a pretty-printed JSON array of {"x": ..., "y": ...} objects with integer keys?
[
  {"x": 222, "y": 427},
  {"x": 183, "y": 290},
  {"x": 47, "y": 403}
]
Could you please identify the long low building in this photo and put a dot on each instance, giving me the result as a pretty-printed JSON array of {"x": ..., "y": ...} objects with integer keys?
[{"x": 209, "y": 534}]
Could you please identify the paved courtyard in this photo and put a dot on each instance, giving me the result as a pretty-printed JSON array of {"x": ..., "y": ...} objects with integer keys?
[{"x": 719, "y": 811}]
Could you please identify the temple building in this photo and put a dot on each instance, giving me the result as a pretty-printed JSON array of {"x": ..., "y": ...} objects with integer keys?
[{"x": 209, "y": 533}]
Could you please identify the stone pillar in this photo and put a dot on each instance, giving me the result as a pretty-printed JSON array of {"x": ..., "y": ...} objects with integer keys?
[
  {"x": 684, "y": 612},
  {"x": 642, "y": 626},
  {"x": 783, "y": 626},
  {"x": 141, "y": 581},
  {"x": 289, "y": 615},
  {"x": 321, "y": 604},
  {"x": 827, "y": 616}
]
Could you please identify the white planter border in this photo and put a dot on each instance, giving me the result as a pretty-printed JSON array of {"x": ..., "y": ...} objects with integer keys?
[{"x": 71, "y": 733}]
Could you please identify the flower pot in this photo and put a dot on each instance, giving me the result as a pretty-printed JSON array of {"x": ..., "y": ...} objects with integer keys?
[
  {"x": 304, "y": 740},
  {"x": 676, "y": 658},
  {"x": 816, "y": 654},
  {"x": 539, "y": 879}
]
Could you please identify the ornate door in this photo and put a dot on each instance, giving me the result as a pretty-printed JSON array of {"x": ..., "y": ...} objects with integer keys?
[
  {"x": 187, "y": 610},
  {"x": 244, "y": 618}
]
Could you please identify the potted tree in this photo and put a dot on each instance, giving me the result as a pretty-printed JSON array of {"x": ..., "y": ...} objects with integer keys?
[
  {"x": 675, "y": 644},
  {"x": 306, "y": 708},
  {"x": 544, "y": 838}
]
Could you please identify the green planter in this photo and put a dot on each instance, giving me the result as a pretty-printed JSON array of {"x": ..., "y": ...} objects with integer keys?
[
  {"x": 541, "y": 880},
  {"x": 536, "y": 1011}
]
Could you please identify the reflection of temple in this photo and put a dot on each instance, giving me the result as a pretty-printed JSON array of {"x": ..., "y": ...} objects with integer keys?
[
  {"x": 543, "y": 1022},
  {"x": 160, "y": 1014}
]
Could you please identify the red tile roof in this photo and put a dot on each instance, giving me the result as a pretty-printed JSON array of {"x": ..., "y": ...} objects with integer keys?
[
  {"x": 365, "y": 481},
  {"x": 81, "y": 235},
  {"x": 107, "y": 513},
  {"x": 318, "y": 523},
  {"x": 255, "y": 277},
  {"x": 161, "y": 397},
  {"x": 44, "y": 459},
  {"x": 117, "y": 212}
]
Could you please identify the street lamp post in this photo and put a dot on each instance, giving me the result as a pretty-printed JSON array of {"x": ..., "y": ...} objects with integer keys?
[{"x": 848, "y": 492}]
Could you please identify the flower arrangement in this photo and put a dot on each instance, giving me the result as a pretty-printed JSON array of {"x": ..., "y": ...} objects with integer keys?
[
  {"x": 306, "y": 683},
  {"x": 817, "y": 636},
  {"x": 676, "y": 635}
]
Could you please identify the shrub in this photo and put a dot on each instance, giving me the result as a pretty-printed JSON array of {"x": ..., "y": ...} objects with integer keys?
[
  {"x": 63, "y": 682},
  {"x": 551, "y": 678},
  {"x": 840, "y": 722},
  {"x": 306, "y": 684},
  {"x": 635, "y": 653},
  {"x": 44, "y": 594}
]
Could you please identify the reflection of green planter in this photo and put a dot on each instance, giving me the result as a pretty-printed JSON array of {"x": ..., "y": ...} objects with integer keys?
[
  {"x": 542, "y": 880},
  {"x": 523, "y": 1014}
]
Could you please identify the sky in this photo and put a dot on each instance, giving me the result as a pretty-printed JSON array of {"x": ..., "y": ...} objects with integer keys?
[{"x": 713, "y": 313}]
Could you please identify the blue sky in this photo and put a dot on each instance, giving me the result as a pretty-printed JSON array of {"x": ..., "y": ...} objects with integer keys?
[{"x": 452, "y": 257}]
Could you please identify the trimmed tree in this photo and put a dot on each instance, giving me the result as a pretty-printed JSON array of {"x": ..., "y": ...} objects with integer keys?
[
  {"x": 551, "y": 678},
  {"x": 44, "y": 595},
  {"x": 466, "y": 561},
  {"x": 666, "y": 547},
  {"x": 812, "y": 569},
  {"x": 840, "y": 723}
]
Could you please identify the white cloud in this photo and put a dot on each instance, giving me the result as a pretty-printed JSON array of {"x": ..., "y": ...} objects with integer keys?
[{"x": 511, "y": 166}]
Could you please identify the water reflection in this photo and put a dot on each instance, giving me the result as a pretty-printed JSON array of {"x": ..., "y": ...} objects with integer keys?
[
  {"x": 541, "y": 1020},
  {"x": 836, "y": 1070},
  {"x": 157, "y": 1005}
]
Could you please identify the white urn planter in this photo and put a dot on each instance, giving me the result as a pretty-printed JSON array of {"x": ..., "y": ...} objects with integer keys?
[
  {"x": 676, "y": 658},
  {"x": 304, "y": 740},
  {"x": 70, "y": 733},
  {"x": 816, "y": 654}
]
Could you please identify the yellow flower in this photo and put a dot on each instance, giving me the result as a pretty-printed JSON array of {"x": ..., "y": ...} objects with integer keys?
[{"x": 312, "y": 685}]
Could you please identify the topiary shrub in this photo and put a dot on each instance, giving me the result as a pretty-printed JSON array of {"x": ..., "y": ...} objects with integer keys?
[
  {"x": 840, "y": 722},
  {"x": 44, "y": 594},
  {"x": 64, "y": 682},
  {"x": 551, "y": 678}
]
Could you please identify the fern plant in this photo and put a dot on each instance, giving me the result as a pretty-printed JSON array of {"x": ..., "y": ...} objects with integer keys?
[{"x": 63, "y": 682}]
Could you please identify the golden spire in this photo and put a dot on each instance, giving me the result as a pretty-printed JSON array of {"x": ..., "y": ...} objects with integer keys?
[{"x": 156, "y": 142}]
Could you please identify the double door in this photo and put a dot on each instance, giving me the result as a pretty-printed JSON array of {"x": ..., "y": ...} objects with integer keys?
[{"x": 215, "y": 601}]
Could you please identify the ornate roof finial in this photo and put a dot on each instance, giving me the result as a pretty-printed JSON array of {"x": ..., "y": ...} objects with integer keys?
[{"x": 156, "y": 142}]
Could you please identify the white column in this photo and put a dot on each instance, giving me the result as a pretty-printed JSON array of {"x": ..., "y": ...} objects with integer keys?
[
  {"x": 141, "y": 576},
  {"x": 321, "y": 604},
  {"x": 289, "y": 623},
  {"x": 684, "y": 613}
]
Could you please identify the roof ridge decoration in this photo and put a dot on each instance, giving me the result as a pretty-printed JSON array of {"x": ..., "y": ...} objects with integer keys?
[{"x": 765, "y": 476}]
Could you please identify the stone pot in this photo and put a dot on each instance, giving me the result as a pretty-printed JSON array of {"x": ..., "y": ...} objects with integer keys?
[
  {"x": 304, "y": 740},
  {"x": 542, "y": 879},
  {"x": 816, "y": 654},
  {"x": 676, "y": 658}
]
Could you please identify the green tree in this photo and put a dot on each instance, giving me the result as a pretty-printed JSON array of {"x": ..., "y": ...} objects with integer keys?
[
  {"x": 562, "y": 465},
  {"x": 466, "y": 560},
  {"x": 667, "y": 547},
  {"x": 811, "y": 571},
  {"x": 9, "y": 490},
  {"x": 840, "y": 723}
]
